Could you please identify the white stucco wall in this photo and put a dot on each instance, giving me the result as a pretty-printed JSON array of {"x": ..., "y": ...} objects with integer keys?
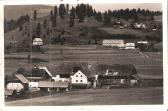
[{"x": 79, "y": 78}]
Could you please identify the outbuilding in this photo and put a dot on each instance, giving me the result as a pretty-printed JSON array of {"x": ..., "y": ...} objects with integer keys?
[
  {"x": 116, "y": 75},
  {"x": 112, "y": 42},
  {"x": 130, "y": 46},
  {"x": 37, "y": 42}
]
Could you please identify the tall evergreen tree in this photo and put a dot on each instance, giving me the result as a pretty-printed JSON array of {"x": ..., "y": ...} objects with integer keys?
[
  {"x": 62, "y": 10},
  {"x": 51, "y": 16},
  {"x": 38, "y": 30},
  {"x": 67, "y": 8},
  {"x": 107, "y": 19},
  {"x": 81, "y": 12},
  {"x": 35, "y": 15},
  {"x": 45, "y": 23},
  {"x": 55, "y": 17},
  {"x": 72, "y": 13}
]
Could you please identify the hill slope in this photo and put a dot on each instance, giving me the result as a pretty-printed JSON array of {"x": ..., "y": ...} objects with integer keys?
[{"x": 15, "y": 11}]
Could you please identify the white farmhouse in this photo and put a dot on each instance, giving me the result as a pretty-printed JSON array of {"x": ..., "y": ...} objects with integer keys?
[
  {"x": 79, "y": 78},
  {"x": 139, "y": 25},
  {"x": 112, "y": 42},
  {"x": 37, "y": 42}
]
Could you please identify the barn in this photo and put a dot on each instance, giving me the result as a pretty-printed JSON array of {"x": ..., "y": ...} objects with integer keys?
[
  {"x": 116, "y": 75},
  {"x": 112, "y": 42}
]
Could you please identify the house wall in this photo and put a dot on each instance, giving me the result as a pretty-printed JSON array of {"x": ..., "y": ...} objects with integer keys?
[
  {"x": 79, "y": 78},
  {"x": 58, "y": 78},
  {"x": 33, "y": 86}
]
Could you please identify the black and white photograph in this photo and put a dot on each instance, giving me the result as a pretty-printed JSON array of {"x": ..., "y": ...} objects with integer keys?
[{"x": 83, "y": 54}]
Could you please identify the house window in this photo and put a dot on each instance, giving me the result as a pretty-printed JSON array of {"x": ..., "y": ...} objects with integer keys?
[
  {"x": 80, "y": 80},
  {"x": 76, "y": 80},
  {"x": 81, "y": 75},
  {"x": 76, "y": 75}
]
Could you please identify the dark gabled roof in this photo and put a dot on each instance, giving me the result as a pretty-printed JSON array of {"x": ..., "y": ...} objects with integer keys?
[
  {"x": 70, "y": 68},
  {"x": 115, "y": 77},
  {"x": 123, "y": 70}
]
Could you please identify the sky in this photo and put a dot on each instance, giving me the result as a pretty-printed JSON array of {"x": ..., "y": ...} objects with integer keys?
[{"x": 114, "y": 6}]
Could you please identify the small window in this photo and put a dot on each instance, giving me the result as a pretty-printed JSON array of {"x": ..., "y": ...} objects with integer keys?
[
  {"x": 76, "y": 75},
  {"x": 76, "y": 80},
  {"x": 81, "y": 75},
  {"x": 80, "y": 80}
]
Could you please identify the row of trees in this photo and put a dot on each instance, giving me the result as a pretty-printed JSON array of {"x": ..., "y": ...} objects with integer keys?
[
  {"x": 13, "y": 24},
  {"x": 80, "y": 12},
  {"x": 126, "y": 14}
]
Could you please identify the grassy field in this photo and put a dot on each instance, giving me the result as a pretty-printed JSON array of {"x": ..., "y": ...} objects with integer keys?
[
  {"x": 148, "y": 64},
  {"x": 139, "y": 96}
]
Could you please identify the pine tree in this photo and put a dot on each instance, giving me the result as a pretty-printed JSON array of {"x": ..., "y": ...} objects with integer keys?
[
  {"x": 62, "y": 10},
  {"x": 71, "y": 24},
  {"x": 27, "y": 18},
  {"x": 67, "y": 8},
  {"x": 72, "y": 13},
  {"x": 152, "y": 17},
  {"x": 35, "y": 15},
  {"x": 51, "y": 16},
  {"x": 38, "y": 29},
  {"x": 45, "y": 23},
  {"x": 107, "y": 19},
  {"x": 55, "y": 17},
  {"x": 81, "y": 12}
]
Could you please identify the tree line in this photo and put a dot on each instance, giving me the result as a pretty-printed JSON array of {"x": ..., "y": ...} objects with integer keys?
[{"x": 81, "y": 11}]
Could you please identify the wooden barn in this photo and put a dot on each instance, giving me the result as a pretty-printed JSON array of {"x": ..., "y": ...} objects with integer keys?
[{"x": 117, "y": 75}]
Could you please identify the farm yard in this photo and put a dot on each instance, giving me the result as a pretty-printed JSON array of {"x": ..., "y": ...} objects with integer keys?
[
  {"x": 68, "y": 57},
  {"x": 144, "y": 62},
  {"x": 147, "y": 67}
]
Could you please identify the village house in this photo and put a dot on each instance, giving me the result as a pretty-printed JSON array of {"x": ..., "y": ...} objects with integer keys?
[
  {"x": 79, "y": 78},
  {"x": 139, "y": 25},
  {"x": 37, "y": 42},
  {"x": 112, "y": 42}
]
